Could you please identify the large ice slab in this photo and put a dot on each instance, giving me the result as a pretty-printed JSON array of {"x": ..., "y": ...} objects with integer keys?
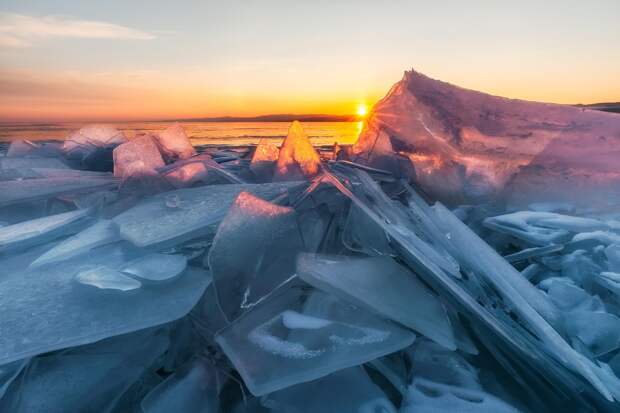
[
  {"x": 466, "y": 145},
  {"x": 37, "y": 231},
  {"x": 174, "y": 143},
  {"x": 253, "y": 251},
  {"x": 90, "y": 378},
  {"x": 172, "y": 217},
  {"x": 48, "y": 309},
  {"x": 297, "y": 158},
  {"x": 301, "y": 335},
  {"x": 381, "y": 285}
]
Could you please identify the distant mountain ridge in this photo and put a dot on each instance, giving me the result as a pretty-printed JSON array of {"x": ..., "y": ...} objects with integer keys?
[
  {"x": 605, "y": 106},
  {"x": 286, "y": 117}
]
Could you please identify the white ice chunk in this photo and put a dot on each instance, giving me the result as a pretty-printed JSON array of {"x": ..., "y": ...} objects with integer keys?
[
  {"x": 106, "y": 278},
  {"x": 92, "y": 136},
  {"x": 156, "y": 267},
  {"x": 264, "y": 159}
]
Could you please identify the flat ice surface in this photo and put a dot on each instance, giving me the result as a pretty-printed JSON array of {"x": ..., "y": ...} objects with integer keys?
[
  {"x": 41, "y": 230},
  {"x": 195, "y": 211},
  {"x": 271, "y": 356},
  {"x": 45, "y": 310},
  {"x": 156, "y": 267},
  {"x": 381, "y": 285}
]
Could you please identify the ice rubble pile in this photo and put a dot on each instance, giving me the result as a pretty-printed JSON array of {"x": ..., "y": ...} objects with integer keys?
[{"x": 161, "y": 281}]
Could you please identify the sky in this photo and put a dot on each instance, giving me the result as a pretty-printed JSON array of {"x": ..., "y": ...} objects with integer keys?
[{"x": 151, "y": 59}]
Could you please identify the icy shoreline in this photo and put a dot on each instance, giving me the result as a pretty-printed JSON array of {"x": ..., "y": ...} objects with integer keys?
[{"x": 149, "y": 275}]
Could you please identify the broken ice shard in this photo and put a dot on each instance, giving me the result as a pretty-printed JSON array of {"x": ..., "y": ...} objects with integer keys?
[
  {"x": 174, "y": 143},
  {"x": 140, "y": 150},
  {"x": 88, "y": 378},
  {"x": 383, "y": 286},
  {"x": 41, "y": 230},
  {"x": 193, "y": 388},
  {"x": 194, "y": 212},
  {"x": 297, "y": 158},
  {"x": 156, "y": 267},
  {"x": 264, "y": 159},
  {"x": 466, "y": 145},
  {"x": 101, "y": 233},
  {"x": 356, "y": 392},
  {"x": 106, "y": 278},
  {"x": 300, "y": 335},
  {"x": 45, "y": 310},
  {"x": 247, "y": 265}
]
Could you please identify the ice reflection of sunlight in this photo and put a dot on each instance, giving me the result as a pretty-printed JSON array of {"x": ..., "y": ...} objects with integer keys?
[{"x": 360, "y": 126}]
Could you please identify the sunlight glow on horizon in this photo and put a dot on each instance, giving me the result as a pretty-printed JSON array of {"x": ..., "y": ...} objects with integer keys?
[{"x": 91, "y": 61}]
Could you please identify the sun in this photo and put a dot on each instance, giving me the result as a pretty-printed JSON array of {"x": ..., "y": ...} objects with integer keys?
[{"x": 362, "y": 110}]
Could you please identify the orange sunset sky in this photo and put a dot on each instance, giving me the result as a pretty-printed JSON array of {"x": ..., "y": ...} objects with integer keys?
[{"x": 139, "y": 60}]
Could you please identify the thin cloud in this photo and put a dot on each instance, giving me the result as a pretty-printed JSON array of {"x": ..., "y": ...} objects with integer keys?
[{"x": 18, "y": 30}]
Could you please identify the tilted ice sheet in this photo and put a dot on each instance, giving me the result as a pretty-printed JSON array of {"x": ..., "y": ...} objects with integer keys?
[
  {"x": 383, "y": 286},
  {"x": 90, "y": 378},
  {"x": 253, "y": 251},
  {"x": 12, "y": 192},
  {"x": 42, "y": 230},
  {"x": 301, "y": 335},
  {"x": 48, "y": 309},
  {"x": 175, "y": 216},
  {"x": 156, "y": 267}
]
